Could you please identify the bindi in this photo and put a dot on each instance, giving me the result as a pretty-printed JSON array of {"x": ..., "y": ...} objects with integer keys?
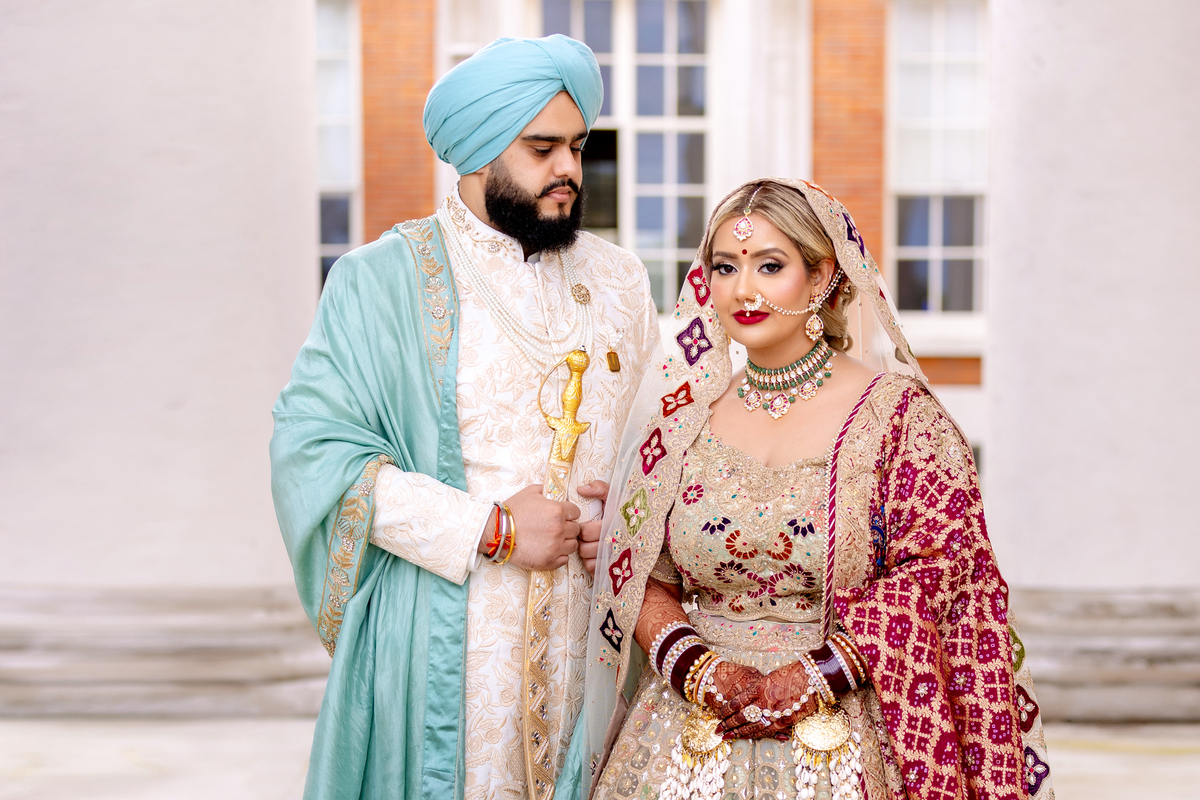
[{"x": 743, "y": 252}]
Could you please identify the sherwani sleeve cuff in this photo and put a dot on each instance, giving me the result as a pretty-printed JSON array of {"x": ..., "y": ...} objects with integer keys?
[{"x": 428, "y": 523}]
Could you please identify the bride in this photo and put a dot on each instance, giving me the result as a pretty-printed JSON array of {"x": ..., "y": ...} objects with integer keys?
[{"x": 795, "y": 593}]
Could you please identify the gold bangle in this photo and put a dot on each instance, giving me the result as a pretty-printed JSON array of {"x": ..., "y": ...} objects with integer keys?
[
  {"x": 512, "y": 534},
  {"x": 692, "y": 681}
]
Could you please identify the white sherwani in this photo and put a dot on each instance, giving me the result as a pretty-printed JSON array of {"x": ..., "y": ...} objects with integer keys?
[{"x": 505, "y": 444}]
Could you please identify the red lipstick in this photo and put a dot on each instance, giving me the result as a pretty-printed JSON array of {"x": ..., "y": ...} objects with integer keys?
[{"x": 750, "y": 317}]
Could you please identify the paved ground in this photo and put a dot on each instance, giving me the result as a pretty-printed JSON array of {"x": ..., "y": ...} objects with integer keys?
[{"x": 264, "y": 759}]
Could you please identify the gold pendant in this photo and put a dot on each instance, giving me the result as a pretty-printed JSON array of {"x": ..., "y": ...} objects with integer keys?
[
  {"x": 823, "y": 741},
  {"x": 614, "y": 361},
  {"x": 699, "y": 761},
  {"x": 824, "y": 730},
  {"x": 700, "y": 735}
]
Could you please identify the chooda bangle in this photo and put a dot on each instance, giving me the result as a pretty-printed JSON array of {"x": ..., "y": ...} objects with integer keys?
[
  {"x": 817, "y": 680},
  {"x": 667, "y": 637}
]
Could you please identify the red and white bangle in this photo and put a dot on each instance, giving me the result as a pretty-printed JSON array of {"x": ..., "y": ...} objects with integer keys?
[{"x": 504, "y": 540}]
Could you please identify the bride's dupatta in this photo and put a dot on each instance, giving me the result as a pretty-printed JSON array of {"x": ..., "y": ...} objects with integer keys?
[{"x": 910, "y": 571}]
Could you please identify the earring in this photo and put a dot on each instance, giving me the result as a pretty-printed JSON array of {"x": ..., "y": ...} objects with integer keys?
[{"x": 815, "y": 327}]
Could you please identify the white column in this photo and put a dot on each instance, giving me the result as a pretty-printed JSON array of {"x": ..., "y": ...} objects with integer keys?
[
  {"x": 158, "y": 273},
  {"x": 1093, "y": 324}
]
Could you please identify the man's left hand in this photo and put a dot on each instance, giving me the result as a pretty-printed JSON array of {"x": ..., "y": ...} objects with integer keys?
[{"x": 589, "y": 532}]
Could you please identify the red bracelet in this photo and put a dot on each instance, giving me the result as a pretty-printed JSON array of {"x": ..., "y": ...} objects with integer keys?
[{"x": 494, "y": 545}]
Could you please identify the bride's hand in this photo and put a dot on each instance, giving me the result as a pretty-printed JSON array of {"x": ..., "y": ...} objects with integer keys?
[
  {"x": 734, "y": 682},
  {"x": 778, "y": 692}
]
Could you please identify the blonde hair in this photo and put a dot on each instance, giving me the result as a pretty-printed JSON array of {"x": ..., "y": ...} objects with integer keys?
[{"x": 788, "y": 210}]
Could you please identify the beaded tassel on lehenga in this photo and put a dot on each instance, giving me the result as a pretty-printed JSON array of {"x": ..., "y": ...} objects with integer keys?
[{"x": 699, "y": 760}]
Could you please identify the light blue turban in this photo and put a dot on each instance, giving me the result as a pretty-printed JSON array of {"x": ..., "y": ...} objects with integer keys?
[{"x": 480, "y": 107}]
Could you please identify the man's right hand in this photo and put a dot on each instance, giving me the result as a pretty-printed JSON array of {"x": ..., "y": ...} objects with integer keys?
[{"x": 547, "y": 530}]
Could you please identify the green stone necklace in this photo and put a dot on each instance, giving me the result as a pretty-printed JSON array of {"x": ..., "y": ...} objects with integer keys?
[{"x": 774, "y": 390}]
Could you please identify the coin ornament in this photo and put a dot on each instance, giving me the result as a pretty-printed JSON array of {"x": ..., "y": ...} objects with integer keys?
[
  {"x": 699, "y": 760},
  {"x": 825, "y": 739}
]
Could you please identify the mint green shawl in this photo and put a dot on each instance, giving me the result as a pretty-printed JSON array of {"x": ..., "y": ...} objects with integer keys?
[{"x": 375, "y": 383}]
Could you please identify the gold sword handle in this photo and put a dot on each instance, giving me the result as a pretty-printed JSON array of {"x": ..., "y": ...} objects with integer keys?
[{"x": 540, "y": 756}]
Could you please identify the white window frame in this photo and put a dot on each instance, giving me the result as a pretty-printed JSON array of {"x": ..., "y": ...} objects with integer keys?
[
  {"x": 352, "y": 187},
  {"x": 934, "y": 332}
]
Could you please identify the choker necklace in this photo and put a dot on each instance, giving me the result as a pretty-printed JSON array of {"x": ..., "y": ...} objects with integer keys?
[{"x": 776, "y": 389}]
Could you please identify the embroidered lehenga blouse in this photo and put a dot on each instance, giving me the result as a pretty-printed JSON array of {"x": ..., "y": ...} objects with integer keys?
[{"x": 916, "y": 588}]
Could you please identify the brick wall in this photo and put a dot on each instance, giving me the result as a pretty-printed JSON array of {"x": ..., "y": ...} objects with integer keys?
[
  {"x": 397, "y": 66},
  {"x": 849, "y": 47}
]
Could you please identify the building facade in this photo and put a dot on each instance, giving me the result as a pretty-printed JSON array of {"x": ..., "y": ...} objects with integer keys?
[{"x": 177, "y": 187}]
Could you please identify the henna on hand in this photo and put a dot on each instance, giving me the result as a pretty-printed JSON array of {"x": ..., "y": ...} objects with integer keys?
[
  {"x": 778, "y": 691},
  {"x": 735, "y": 682},
  {"x": 660, "y": 607}
]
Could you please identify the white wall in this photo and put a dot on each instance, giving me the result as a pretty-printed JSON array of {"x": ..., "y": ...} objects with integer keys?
[
  {"x": 157, "y": 275},
  {"x": 1092, "y": 322},
  {"x": 760, "y": 54}
]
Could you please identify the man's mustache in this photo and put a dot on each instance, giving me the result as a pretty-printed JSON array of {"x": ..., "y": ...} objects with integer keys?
[{"x": 550, "y": 187}]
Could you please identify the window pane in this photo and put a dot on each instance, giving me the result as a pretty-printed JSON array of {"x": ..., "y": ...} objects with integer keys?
[
  {"x": 335, "y": 219},
  {"x": 914, "y": 94},
  {"x": 958, "y": 222},
  {"x": 914, "y": 156},
  {"x": 650, "y": 222},
  {"x": 654, "y": 270},
  {"x": 606, "y": 79},
  {"x": 962, "y": 100},
  {"x": 597, "y": 25},
  {"x": 333, "y": 88},
  {"x": 600, "y": 180},
  {"x": 691, "y": 221},
  {"x": 333, "y": 26},
  {"x": 962, "y": 27},
  {"x": 913, "y": 283},
  {"x": 958, "y": 285},
  {"x": 650, "y": 158},
  {"x": 691, "y": 158},
  {"x": 333, "y": 152},
  {"x": 963, "y": 158},
  {"x": 327, "y": 263},
  {"x": 914, "y": 27},
  {"x": 691, "y": 92},
  {"x": 650, "y": 22},
  {"x": 650, "y": 91},
  {"x": 912, "y": 221},
  {"x": 682, "y": 268},
  {"x": 692, "y": 25},
  {"x": 556, "y": 17}
]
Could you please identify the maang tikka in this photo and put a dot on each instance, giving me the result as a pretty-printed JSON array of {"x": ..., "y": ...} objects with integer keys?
[{"x": 743, "y": 229}]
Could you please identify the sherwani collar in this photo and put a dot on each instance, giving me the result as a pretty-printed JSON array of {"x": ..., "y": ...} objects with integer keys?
[{"x": 475, "y": 233}]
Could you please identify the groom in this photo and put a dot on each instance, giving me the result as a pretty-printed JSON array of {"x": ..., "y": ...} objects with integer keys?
[{"x": 412, "y": 421}]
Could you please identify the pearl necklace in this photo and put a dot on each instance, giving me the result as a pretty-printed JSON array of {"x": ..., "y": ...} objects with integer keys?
[
  {"x": 542, "y": 350},
  {"x": 807, "y": 372}
]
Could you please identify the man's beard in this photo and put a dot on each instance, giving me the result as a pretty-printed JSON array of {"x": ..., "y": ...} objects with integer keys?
[{"x": 514, "y": 211}]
